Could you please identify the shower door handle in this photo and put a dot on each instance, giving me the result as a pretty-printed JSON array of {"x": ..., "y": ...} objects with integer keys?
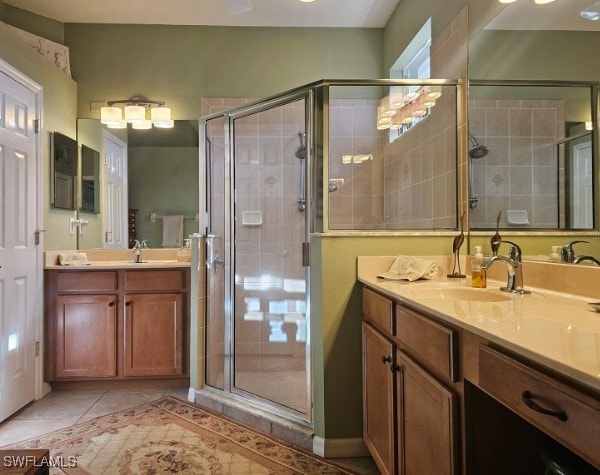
[{"x": 212, "y": 255}]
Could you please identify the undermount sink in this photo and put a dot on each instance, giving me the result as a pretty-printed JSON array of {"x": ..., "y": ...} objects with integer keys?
[{"x": 459, "y": 293}]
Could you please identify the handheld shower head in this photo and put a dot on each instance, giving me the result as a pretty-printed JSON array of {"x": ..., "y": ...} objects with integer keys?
[
  {"x": 475, "y": 150},
  {"x": 300, "y": 152}
]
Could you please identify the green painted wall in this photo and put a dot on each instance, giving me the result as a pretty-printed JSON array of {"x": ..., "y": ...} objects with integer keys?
[
  {"x": 59, "y": 113},
  {"x": 36, "y": 24},
  {"x": 181, "y": 64},
  {"x": 336, "y": 324},
  {"x": 542, "y": 55},
  {"x": 163, "y": 180}
]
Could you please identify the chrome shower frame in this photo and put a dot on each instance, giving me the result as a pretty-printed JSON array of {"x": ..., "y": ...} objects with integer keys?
[{"x": 316, "y": 201}]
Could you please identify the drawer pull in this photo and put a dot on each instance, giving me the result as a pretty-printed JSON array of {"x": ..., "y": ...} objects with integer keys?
[
  {"x": 111, "y": 304},
  {"x": 127, "y": 304},
  {"x": 386, "y": 359},
  {"x": 528, "y": 400}
]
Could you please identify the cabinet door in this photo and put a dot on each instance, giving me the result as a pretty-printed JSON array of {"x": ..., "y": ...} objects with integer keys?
[
  {"x": 153, "y": 335},
  {"x": 427, "y": 421},
  {"x": 378, "y": 399},
  {"x": 86, "y": 336}
]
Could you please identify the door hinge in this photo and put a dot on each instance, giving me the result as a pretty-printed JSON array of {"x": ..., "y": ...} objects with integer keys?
[
  {"x": 37, "y": 236},
  {"x": 306, "y": 254},
  {"x": 36, "y": 126},
  {"x": 37, "y": 348}
]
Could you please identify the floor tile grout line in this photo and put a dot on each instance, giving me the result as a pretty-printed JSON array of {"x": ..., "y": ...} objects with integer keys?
[{"x": 92, "y": 406}]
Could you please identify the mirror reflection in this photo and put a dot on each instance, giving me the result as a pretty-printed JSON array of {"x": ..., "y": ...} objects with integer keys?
[
  {"x": 90, "y": 180},
  {"x": 160, "y": 179},
  {"x": 530, "y": 155},
  {"x": 64, "y": 171},
  {"x": 538, "y": 43}
]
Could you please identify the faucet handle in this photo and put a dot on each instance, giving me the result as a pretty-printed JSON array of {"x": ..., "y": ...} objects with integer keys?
[
  {"x": 144, "y": 244},
  {"x": 567, "y": 253},
  {"x": 136, "y": 245},
  {"x": 515, "y": 251}
]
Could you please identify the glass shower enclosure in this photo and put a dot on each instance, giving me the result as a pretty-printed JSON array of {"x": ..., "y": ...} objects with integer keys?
[{"x": 330, "y": 156}]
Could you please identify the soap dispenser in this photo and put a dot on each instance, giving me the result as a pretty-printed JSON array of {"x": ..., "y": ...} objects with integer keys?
[
  {"x": 478, "y": 275},
  {"x": 555, "y": 254},
  {"x": 184, "y": 254}
]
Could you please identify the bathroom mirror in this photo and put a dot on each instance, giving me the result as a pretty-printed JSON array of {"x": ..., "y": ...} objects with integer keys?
[
  {"x": 535, "y": 43},
  {"x": 162, "y": 176},
  {"x": 63, "y": 182},
  {"x": 90, "y": 180},
  {"x": 530, "y": 155}
]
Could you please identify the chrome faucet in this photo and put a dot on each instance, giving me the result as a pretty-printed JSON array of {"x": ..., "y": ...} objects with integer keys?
[
  {"x": 514, "y": 283},
  {"x": 567, "y": 254},
  {"x": 137, "y": 250},
  {"x": 593, "y": 259}
]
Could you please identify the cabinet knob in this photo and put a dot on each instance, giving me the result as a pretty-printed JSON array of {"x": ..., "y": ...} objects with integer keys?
[
  {"x": 527, "y": 398},
  {"x": 127, "y": 304},
  {"x": 386, "y": 359},
  {"x": 395, "y": 368},
  {"x": 111, "y": 304}
]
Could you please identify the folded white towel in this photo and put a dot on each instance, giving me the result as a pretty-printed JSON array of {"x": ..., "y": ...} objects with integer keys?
[
  {"x": 411, "y": 268},
  {"x": 172, "y": 230},
  {"x": 72, "y": 258}
]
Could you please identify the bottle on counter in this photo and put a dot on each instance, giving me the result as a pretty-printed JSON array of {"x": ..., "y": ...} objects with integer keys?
[
  {"x": 555, "y": 254},
  {"x": 184, "y": 254},
  {"x": 478, "y": 275}
]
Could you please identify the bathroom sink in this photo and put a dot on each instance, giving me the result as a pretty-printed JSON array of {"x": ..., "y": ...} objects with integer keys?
[{"x": 458, "y": 293}]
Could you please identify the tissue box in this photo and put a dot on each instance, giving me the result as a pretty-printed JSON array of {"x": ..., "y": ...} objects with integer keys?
[{"x": 72, "y": 258}]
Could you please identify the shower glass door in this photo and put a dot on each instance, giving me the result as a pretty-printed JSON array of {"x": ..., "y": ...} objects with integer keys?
[
  {"x": 269, "y": 323},
  {"x": 215, "y": 356}
]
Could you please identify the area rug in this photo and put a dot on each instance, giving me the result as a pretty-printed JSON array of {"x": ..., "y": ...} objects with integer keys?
[{"x": 171, "y": 436}]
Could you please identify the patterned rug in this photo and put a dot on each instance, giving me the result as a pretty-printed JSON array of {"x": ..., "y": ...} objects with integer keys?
[{"x": 171, "y": 436}]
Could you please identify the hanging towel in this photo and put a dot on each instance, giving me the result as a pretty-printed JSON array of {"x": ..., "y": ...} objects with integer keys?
[
  {"x": 172, "y": 230},
  {"x": 411, "y": 268}
]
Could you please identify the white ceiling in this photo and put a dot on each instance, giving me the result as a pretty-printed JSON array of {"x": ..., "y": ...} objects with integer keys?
[
  {"x": 285, "y": 13},
  {"x": 558, "y": 15}
]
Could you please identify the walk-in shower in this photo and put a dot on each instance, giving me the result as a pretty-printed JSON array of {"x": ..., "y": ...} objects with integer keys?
[{"x": 476, "y": 151}]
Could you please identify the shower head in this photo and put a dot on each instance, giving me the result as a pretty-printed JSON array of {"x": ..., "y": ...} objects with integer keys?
[
  {"x": 475, "y": 150},
  {"x": 300, "y": 152}
]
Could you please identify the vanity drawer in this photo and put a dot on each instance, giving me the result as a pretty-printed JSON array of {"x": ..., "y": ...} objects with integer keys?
[
  {"x": 378, "y": 310},
  {"x": 434, "y": 344},
  {"x": 576, "y": 419},
  {"x": 86, "y": 281},
  {"x": 143, "y": 280}
]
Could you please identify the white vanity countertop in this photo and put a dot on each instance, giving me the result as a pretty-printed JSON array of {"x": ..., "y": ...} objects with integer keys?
[
  {"x": 117, "y": 259},
  {"x": 557, "y": 330}
]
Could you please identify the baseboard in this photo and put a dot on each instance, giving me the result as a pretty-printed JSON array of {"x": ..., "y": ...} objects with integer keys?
[{"x": 339, "y": 448}]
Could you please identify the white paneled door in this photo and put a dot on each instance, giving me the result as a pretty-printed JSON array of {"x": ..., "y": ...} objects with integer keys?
[
  {"x": 115, "y": 193},
  {"x": 20, "y": 256}
]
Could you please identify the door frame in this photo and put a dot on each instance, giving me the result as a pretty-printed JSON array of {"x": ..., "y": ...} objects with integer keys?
[{"x": 41, "y": 388}]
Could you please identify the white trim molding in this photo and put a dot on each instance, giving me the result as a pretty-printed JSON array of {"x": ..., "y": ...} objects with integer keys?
[{"x": 338, "y": 448}]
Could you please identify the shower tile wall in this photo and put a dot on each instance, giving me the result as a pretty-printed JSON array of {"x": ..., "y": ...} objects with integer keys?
[
  {"x": 358, "y": 201},
  {"x": 520, "y": 172},
  {"x": 270, "y": 323},
  {"x": 420, "y": 171}
]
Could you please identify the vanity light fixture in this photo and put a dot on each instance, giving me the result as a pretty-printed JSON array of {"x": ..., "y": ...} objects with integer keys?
[
  {"x": 134, "y": 113},
  {"x": 405, "y": 106},
  {"x": 592, "y": 12},
  {"x": 539, "y": 2}
]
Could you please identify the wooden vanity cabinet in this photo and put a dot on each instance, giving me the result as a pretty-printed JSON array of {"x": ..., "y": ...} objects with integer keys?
[
  {"x": 116, "y": 324},
  {"x": 410, "y": 422}
]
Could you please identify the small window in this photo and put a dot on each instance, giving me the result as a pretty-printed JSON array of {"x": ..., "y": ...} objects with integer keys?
[{"x": 413, "y": 63}]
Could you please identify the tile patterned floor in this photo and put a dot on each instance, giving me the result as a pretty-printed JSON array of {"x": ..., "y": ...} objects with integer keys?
[{"x": 61, "y": 409}]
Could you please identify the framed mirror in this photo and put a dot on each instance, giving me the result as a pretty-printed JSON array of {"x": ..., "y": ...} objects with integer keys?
[
  {"x": 63, "y": 182},
  {"x": 540, "y": 45},
  {"x": 90, "y": 180}
]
